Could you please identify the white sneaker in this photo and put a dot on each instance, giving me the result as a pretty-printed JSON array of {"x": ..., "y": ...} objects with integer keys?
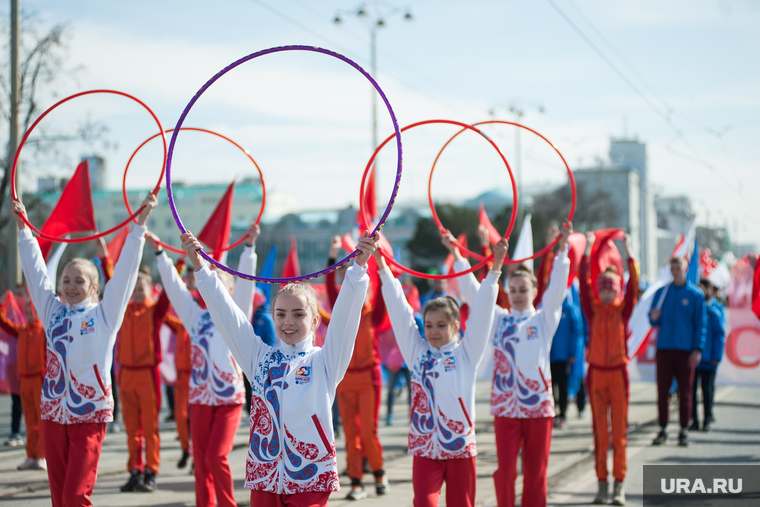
[{"x": 33, "y": 464}]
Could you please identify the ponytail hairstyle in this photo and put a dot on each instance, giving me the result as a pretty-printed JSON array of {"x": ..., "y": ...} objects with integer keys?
[
  {"x": 525, "y": 272},
  {"x": 446, "y": 304}
]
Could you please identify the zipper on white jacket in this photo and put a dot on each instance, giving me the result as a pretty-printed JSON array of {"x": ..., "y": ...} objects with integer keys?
[{"x": 281, "y": 488}]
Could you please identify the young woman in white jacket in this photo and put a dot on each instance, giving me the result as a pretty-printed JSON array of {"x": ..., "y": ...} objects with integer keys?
[
  {"x": 291, "y": 456},
  {"x": 521, "y": 396},
  {"x": 443, "y": 370},
  {"x": 77, "y": 399},
  {"x": 217, "y": 392}
]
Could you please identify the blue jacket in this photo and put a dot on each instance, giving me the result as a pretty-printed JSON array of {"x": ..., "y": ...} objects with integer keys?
[
  {"x": 683, "y": 320},
  {"x": 715, "y": 337},
  {"x": 569, "y": 334},
  {"x": 263, "y": 324}
]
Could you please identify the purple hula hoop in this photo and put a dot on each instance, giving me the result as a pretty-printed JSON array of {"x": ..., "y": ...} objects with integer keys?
[{"x": 205, "y": 87}]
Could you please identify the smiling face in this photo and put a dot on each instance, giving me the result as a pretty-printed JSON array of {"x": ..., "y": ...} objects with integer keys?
[
  {"x": 294, "y": 318},
  {"x": 440, "y": 329},
  {"x": 522, "y": 292},
  {"x": 78, "y": 283}
]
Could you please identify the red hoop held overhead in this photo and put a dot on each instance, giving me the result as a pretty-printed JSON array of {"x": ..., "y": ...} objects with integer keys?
[
  {"x": 365, "y": 219},
  {"x": 472, "y": 254},
  {"x": 155, "y": 191},
  {"x": 247, "y": 154}
]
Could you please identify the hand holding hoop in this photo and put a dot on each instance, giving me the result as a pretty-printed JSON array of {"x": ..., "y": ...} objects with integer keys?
[
  {"x": 18, "y": 210},
  {"x": 147, "y": 207},
  {"x": 192, "y": 247}
]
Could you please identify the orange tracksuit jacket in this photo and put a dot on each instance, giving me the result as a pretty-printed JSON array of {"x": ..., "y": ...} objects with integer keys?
[
  {"x": 360, "y": 390},
  {"x": 139, "y": 353},
  {"x": 607, "y": 380},
  {"x": 31, "y": 369}
]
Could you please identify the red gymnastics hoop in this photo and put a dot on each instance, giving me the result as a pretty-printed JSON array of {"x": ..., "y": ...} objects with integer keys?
[
  {"x": 28, "y": 133},
  {"x": 474, "y": 255},
  {"x": 365, "y": 219},
  {"x": 196, "y": 129}
]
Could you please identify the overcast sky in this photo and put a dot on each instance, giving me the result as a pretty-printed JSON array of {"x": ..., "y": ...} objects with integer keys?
[{"x": 681, "y": 76}]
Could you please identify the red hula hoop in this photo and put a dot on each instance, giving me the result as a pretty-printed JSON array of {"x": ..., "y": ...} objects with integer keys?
[
  {"x": 196, "y": 129},
  {"x": 365, "y": 219},
  {"x": 475, "y": 255},
  {"x": 28, "y": 133}
]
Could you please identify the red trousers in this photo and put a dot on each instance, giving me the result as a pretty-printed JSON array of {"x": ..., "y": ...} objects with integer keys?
[
  {"x": 674, "y": 363},
  {"x": 72, "y": 452},
  {"x": 536, "y": 438},
  {"x": 139, "y": 409},
  {"x": 359, "y": 405},
  {"x": 213, "y": 431},
  {"x": 267, "y": 499},
  {"x": 181, "y": 408},
  {"x": 608, "y": 397},
  {"x": 30, "y": 391},
  {"x": 428, "y": 476}
]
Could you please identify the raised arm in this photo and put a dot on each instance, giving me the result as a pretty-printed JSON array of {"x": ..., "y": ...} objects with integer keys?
[
  {"x": 401, "y": 314},
  {"x": 482, "y": 309},
  {"x": 468, "y": 284},
  {"x": 556, "y": 292},
  {"x": 584, "y": 279},
  {"x": 119, "y": 289},
  {"x": 233, "y": 324},
  {"x": 346, "y": 313},
  {"x": 41, "y": 288},
  {"x": 632, "y": 288},
  {"x": 244, "y": 288},
  {"x": 175, "y": 289}
]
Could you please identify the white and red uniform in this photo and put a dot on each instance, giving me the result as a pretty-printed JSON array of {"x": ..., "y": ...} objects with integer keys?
[
  {"x": 292, "y": 446},
  {"x": 217, "y": 393},
  {"x": 521, "y": 395},
  {"x": 77, "y": 401},
  {"x": 443, "y": 394}
]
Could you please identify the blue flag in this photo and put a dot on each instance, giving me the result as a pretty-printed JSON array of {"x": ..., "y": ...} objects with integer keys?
[
  {"x": 267, "y": 270},
  {"x": 692, "y": 275}
]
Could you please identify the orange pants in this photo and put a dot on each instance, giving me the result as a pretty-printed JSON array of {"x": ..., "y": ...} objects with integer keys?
[
  {"x": 30, "y": 390},
  {"x": 359, "y": 404},
  {"x": 181, "y": 406},
  {"x": 139, "y": 409},
  {"x": 608, "y": 393}
]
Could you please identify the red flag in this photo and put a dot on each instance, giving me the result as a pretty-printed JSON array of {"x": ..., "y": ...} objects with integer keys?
[
  {"x": 756, "y": 290},
  {"x": 216, "y": 233},
  {"x": 349, "y": 245},
  {"x": 291, "y": 267},
  {"x": 116, "y": 244},
  {"x": 604, "y": 253},
  {"x": 74, "y": 210},
  {"x": 493, "y": 234},
  {"x": 576, "y": 247}
]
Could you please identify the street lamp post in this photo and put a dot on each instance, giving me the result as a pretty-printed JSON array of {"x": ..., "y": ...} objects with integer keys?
[{"x": 375, "y": 14}]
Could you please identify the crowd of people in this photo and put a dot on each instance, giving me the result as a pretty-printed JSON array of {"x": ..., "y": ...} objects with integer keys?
[{"x": 300, "y": 389}]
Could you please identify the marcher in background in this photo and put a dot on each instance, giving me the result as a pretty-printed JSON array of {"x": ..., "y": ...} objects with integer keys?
[
  {"x": 31, "y": 370},
  {"x": 704, "y": 374},
  {"x": 608, "y": 383},
  {"x": 682, "y": 319},
  {"x": 565, "y": 345}
]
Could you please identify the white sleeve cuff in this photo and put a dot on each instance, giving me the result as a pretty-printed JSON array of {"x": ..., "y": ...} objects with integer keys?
[{"x": 203, "y": 274}]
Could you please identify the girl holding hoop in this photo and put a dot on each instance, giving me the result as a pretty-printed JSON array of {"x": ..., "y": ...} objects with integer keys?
[
  {"x": 77, "y": 401},
  {"x": 521, "y": 397},
  {"x": 217, "y": 393},
  {"x": 443, "y": 368},
  {"x": 291, "y": 455}
]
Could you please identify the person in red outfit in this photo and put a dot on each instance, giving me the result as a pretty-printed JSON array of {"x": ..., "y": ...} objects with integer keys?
[
  {"x": 607, "y": 379},
  {"x": 139, "y": 354},
  {"x": 360, "y": 390},
  {"x": 31, "y": 368}
]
